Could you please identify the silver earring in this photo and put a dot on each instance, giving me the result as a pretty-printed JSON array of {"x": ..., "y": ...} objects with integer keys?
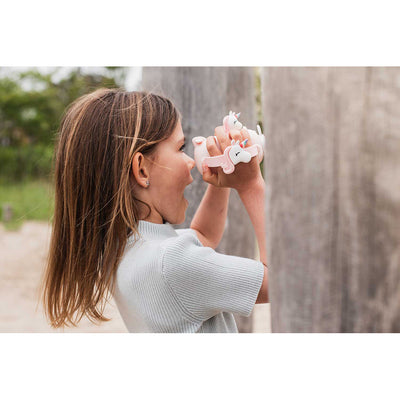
[{"x": 147, "y": 183}]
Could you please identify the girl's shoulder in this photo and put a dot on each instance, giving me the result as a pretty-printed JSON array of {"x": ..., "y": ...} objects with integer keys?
[{"x": 205, "y": 281}]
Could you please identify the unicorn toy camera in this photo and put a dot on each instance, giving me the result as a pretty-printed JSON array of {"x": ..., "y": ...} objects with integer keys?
[{"x": 233, "y": 154}]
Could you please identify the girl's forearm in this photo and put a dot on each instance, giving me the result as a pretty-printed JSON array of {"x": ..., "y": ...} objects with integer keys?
[
  {"x": 211, "y": 215},
  {"x": 253, "y": 199}
]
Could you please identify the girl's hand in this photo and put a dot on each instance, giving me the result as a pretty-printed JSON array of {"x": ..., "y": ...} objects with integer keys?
[{"x": 244, "y": 176}]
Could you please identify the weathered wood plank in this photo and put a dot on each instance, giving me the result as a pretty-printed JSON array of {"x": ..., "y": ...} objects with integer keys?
[{"x": 333, "y": 188}]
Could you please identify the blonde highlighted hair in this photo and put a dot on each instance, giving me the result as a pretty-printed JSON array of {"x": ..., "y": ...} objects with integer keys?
[{"x": 95, "y": 207}]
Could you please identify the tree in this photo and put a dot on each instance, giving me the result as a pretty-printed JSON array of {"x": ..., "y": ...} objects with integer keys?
[{"x": 31, "y": 107}]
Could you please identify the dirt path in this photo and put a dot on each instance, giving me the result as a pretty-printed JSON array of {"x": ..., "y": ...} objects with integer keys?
[{"x": 22, "y": 258}]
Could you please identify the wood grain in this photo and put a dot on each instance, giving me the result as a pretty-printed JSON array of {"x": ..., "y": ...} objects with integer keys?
[{"x": 332, "y": 170}]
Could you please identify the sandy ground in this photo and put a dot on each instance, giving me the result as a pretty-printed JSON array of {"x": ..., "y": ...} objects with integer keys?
[{"x": 22, "y": 259}]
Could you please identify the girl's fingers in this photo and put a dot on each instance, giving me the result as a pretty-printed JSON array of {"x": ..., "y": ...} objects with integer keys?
[
  {"x": 236, "y": 135},
  {"x": 246, "y": 135},
  {"x": 222, "y": 137},
  {"x": 212, "y": 147},
  {"x": 219, "y": 130},
  {"x": 209, "y": 177}
]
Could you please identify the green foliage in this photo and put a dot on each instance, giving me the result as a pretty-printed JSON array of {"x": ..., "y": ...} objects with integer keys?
[
  {"x": 30, "y": 118},
  {"x": 25, "y": 162}
]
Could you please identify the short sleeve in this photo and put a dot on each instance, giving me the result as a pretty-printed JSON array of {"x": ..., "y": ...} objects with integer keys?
[{"x": 206, "y": 282}]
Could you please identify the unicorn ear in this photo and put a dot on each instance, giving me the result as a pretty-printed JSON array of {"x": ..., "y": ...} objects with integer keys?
[
  {"x": 237, "y": 141},
  {"x": 232, "y": 142},
  {"x": 230, "y": 112}
]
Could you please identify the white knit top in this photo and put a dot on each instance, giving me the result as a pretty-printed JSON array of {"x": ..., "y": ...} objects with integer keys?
[{"x": 168, "y": 281}]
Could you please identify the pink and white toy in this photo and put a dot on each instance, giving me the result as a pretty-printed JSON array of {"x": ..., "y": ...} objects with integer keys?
[{"x": 233, "y": 154}]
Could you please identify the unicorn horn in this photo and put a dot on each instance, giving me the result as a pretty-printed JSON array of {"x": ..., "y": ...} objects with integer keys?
[{"x": 237, "y": 115}]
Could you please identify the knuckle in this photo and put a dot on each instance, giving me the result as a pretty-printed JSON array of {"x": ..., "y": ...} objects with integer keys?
[
  {"x": 236, "y": 135},
  {"x": 223, "y": 138},
  {"x": 219, "y": 129}
]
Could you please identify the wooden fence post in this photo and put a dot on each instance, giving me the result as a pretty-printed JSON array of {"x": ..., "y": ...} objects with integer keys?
[
  {"x": 332, "y": 171},
  {"x": 204, "y": 95},
  {"x": 7, "y": 212}
]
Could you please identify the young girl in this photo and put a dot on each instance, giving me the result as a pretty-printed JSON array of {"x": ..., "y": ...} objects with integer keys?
[{"x": 120, "y": 174}]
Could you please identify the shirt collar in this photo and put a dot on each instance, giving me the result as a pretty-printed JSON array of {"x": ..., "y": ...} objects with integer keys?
[{"x": 151, "y": 230}]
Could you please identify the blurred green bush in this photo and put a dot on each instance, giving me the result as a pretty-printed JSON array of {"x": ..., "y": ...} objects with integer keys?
[
  {"x": 31, "y": 107},
  {"x": 25, "y": 162}
]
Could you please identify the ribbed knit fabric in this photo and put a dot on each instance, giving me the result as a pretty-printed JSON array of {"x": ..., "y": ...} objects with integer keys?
[{"x": 168, "y": 281}]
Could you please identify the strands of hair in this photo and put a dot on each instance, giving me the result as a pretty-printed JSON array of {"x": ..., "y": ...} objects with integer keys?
[{"x": 95, "y": 206}]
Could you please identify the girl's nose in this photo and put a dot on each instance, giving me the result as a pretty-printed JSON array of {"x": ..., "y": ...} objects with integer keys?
[{"x": 192, "y": 163}]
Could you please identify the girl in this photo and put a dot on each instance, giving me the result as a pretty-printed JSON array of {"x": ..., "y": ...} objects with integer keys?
[{"x": 120, "y": 174}]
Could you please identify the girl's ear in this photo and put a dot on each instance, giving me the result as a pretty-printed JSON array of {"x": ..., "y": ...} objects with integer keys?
[{"x": 140, "y": 169}]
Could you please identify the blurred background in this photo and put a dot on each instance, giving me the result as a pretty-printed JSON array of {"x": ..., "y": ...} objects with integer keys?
[
  {"x": 331, "y": 166},
  {"x": 32, "y": 101}
]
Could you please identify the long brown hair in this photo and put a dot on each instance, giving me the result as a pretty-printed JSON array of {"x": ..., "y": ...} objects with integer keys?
[{"x": 95, "y": 207}]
